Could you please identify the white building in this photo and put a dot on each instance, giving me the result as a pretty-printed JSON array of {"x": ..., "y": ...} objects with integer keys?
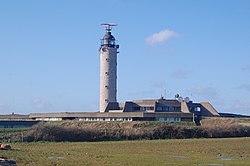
[{"x": 108, "y": 68}]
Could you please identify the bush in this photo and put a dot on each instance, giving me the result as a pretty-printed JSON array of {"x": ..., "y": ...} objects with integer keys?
[
  {"x": 104, "y": 131},
  {"x": 223, "y": 128},
  {"x": 56, "y": 133}
]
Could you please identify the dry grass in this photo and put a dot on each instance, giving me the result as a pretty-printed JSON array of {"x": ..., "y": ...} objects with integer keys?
[
  {"x": 233, "y": 151},
  {"x": 218, "y": 121},
  {"x": 78, "y": 131}
]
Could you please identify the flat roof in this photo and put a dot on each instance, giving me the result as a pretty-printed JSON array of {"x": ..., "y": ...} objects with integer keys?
[
  {"x": 14, "y": 116},
  {"x": 110, "y": 114}
]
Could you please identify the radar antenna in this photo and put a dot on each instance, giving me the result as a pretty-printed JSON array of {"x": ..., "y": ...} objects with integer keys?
[
  {"x": 187, "y": 99},
  {"x": 108, "y": 27},
  {"x": 180, "y": 99}
]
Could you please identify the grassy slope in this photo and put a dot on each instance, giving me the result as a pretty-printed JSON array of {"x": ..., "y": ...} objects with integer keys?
[
  {"x": 157, "y": 152},
  {"x": 120, "y": 124},
  {"x": 7, "y": 133}
]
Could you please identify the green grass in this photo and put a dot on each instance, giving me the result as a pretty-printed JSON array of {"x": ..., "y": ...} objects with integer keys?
[
  {"x": 8, "y": 134},
  {"x": 12, "y": 130},
  {"x": 121, "y": 153}
]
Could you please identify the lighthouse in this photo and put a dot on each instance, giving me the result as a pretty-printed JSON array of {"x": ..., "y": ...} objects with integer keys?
[{"x": 108, "y": 68}]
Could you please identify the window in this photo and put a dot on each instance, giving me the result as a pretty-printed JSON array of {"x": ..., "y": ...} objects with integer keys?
[
  {"x": 104, "y": 49},
  {"x": 171, "y": 108},
  {"x": 151, "y": 108},
  {"x": 197, "y": 109},
  {"x": 112, "y": 42},
  {"x": 107, "y": 73},
  {"x": 105, "y": 41},
  {"x": 148, "y": 108},
  {"x": 159, "y": 108}
]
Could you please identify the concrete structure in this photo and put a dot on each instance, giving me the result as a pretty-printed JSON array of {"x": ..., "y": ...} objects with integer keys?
[
  {"x": 167, "y": 110},
  {"x": 167, "y": 106},
  {"x": 16, "y": 121},
  {"x": 111, "y": 116},
  {"x": 170, "y": 110},
  {"x": 108, "y": 68}
]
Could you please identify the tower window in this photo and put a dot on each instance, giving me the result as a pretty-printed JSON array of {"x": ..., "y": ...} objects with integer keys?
[
  {"x": 106, "y": 86},
  {"x": 104, "y": 50},
  {"x": 107, "y": 73},
  {"x": 107, "y": 59},
  {"x": 106, "y": 100}
]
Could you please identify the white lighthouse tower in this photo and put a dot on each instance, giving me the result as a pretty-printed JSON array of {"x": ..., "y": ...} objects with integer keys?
[{"x": 108, "y": 68}]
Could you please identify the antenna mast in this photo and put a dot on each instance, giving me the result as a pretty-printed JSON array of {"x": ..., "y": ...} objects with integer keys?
[{"x": 108, "y": 27}]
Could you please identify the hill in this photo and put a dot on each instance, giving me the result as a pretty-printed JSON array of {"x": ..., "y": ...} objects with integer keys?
[{"x": 76, "y": 131}]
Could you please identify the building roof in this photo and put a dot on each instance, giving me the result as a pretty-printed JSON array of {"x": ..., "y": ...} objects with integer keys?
[
  {"x": 13, "y": 116},
  {"x": 109, "y": 114}
]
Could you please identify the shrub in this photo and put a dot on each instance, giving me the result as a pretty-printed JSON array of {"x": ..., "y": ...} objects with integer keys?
[
  {"x": 55, "y": 133},
  {"x": 104, "y": 131}
]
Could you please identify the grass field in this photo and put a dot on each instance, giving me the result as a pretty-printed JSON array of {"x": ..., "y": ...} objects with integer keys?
[{"x": 214, "y": 152}]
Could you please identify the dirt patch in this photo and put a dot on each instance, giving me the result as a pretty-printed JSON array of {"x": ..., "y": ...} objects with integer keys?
[
  {"x": 179, "y": 157},
  {"x": 55, "y": 157}
]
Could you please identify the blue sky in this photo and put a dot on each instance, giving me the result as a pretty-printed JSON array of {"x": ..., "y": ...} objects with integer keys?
[{"x": 49, "y": 59}]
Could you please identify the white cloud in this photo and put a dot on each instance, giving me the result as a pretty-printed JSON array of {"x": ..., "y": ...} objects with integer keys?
[
  {"x": 205, "y": 93},
  {"x": 41, "y": 104},
  {"x": 159, "y": 83},
  {"x": 180, "y": 74},
  {"x": 247, "y": 67},
  {"x": 245, "y": 87},
  {"x": 238, "y": 106},
  {"x": 160, "y": 37},
  {"x": 4, "y": 107}
]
